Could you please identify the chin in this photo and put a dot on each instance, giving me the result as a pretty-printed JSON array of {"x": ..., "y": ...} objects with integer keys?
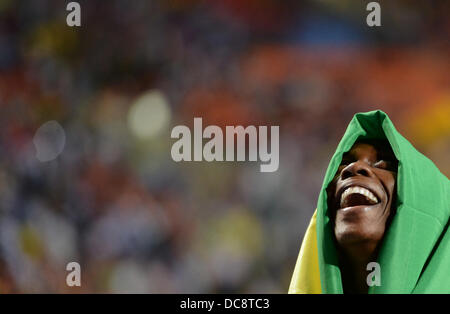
[{"x": 348, "y": 234}]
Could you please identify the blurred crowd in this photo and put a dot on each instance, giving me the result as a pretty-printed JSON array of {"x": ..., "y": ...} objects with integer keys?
[{"x": 86, "y": 114}]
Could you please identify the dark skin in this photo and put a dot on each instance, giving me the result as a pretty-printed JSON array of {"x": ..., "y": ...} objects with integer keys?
[{"x": 361, "y": 196}]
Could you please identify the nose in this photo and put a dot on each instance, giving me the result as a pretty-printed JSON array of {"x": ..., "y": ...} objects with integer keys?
[{"x": 356, "y": 168}]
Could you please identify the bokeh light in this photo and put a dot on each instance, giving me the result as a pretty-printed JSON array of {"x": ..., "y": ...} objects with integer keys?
[
  {"x": 149, "y": 115},
  {"x": 49, "y": 141}
]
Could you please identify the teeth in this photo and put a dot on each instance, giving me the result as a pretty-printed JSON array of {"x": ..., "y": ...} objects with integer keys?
[{"x": 360, "y": 190}]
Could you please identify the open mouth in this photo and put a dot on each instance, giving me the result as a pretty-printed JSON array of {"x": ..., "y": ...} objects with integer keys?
[{"x": 357, "y": 195}]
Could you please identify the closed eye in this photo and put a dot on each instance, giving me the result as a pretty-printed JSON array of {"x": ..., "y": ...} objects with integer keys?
[
  {"x": 347, "y": 160},
  {"x": 380, "y": 164},
  {"x": 386, "y": 165}
]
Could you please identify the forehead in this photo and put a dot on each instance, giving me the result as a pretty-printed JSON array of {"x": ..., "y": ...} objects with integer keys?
[
  {"x": 363, "y": 148},
  {"x": 374, "y": 148}
]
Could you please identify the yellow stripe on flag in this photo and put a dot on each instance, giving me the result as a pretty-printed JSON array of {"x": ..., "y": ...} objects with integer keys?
[{"x": 306, "y": 277}]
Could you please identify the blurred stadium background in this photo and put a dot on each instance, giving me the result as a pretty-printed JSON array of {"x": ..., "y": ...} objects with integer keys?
[{"x": 86, "y": 114}]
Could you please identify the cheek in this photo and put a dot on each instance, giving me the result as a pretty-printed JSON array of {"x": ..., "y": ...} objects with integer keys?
[
  {"x": 331, "y": 189},
  {"x": 390, "y": 183},
  {"x": 388, "y": 179}
]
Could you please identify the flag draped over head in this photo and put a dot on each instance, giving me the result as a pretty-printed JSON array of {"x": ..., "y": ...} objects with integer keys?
[{"x": 415, "y": 253}]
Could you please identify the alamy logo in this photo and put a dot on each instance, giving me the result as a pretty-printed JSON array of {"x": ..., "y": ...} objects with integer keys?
[
  {"x": 213, "y": 150},
  {"x": 74, "y": 17},
  {"x": 374, "y": 17},
  {"x": 374, "y": 277},
  {"x": 74, "y": 277}
]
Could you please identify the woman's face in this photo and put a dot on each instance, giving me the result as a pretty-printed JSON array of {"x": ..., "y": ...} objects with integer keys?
[{"x": 362, "y": 192}]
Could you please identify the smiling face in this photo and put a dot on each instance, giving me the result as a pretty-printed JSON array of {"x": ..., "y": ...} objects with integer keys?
[{"x": 362, "y": 192}]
